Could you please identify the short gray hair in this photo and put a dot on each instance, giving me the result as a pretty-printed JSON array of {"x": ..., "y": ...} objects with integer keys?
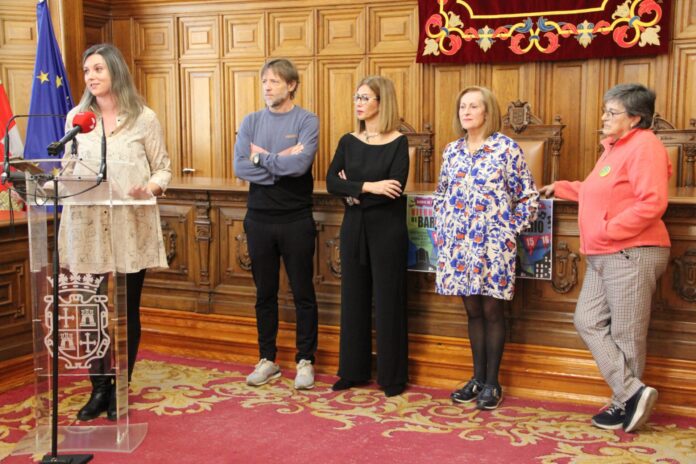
[{"x": 637, "y": 99}]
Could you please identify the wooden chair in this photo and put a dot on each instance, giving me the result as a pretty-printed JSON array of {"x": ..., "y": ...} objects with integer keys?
[
  {"x": 420, "y": 153},
  {"x": 541, "y": 143},
  {"x": 681, "y": 149}
]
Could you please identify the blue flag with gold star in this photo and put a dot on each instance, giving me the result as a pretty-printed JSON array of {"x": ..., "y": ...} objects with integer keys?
[{"x": 50, "y": 92}]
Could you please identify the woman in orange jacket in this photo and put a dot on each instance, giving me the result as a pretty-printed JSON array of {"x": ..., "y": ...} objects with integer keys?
[{"x": 620, "y": 206}]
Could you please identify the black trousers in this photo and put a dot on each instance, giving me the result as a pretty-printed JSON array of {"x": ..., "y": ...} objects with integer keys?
[
  {"x": 382, "y": 276},
  {"x": 295, "y": 243},
  {"x": 134, "y": 290}
]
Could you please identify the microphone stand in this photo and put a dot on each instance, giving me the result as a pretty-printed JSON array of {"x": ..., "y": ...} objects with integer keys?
[{"x": 53, "y": 457}]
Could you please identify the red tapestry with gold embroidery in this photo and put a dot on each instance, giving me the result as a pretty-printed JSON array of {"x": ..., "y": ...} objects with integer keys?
[{"x": 481, "y": 31}]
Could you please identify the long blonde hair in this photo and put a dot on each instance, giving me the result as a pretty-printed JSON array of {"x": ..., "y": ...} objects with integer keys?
[
  {"x": 127, "y": 96},
  {"x": 388, "y": 106}
]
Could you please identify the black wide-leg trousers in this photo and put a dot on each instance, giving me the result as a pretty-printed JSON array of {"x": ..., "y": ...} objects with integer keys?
[{"x": 379, "y": 271}]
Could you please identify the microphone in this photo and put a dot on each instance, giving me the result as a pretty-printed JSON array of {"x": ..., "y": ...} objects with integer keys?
[
  {"x": 7, "y": 174},
  {"x": 82, "y": 123},
  {"x": 102, "y": 165}
]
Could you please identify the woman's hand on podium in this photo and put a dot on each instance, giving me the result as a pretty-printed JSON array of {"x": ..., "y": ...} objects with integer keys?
[{"x": 141, "y": 192}]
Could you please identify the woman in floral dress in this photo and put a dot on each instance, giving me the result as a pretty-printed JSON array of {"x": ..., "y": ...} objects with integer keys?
[{"x": 485, "y": 197}]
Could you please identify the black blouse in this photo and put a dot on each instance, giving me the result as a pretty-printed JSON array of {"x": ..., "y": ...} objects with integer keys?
[{"x": 377, "y": 219}]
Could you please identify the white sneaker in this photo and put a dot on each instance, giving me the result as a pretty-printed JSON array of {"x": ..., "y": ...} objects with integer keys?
[
  {"x": 264, "y": 371},
  {"x": 304, "y": 380}
]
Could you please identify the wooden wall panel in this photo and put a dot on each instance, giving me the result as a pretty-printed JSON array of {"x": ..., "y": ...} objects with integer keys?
[
  {"x": 243, "y": 94},
  {"x": 341, "y": 32},
  {"x": 244, "y": 35},
  {"x": 202, "y": 120},
  {"x": 199, "y": 37},
  {"x": 393, "y": 29},
  {"x": 652, "y": 72},
  {"x": 158, "y": 83},
  {"x": 447, "y": 82},
  {"x": 337, "y": 81},
  {"x": 17, "y": 77},
  {"x": 510, "y": 82},
  {"x": 154, "y": 39},
  {"x": 18, "y": 34},
  {"x": 685, "y": 19},
  {"x": 406, "y": 75},
  {"x": 305, "y": 96},
  {"x": 291, "y": 33},
  {"x": 683, "y": 89},
  {"x": 578, "y": 109}
]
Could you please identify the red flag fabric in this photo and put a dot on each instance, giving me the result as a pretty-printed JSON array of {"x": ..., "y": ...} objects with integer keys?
[{"x": 16, "y": 148}]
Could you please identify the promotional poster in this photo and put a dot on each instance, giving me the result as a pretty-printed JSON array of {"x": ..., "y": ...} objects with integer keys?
[{"x": 534, "y": 245}]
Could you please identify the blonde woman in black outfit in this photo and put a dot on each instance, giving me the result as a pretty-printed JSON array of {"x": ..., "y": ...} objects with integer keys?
[{"x": 369, "y": 171}]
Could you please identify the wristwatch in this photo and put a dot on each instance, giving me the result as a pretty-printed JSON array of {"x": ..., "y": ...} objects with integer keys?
[{"x": 255, "y": 159}]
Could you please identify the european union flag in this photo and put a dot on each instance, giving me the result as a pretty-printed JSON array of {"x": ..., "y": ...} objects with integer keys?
[{"x": 50, "y": 92}]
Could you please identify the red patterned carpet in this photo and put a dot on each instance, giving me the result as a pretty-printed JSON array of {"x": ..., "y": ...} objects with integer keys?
[{"x": 203, "y": 412}]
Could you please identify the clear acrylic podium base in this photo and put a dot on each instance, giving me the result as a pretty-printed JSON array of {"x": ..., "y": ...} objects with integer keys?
[{"x": 109, "y": 438}]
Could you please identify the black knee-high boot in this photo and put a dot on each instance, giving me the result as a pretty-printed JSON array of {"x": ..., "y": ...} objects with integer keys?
[{"x": 99, "y": 399}]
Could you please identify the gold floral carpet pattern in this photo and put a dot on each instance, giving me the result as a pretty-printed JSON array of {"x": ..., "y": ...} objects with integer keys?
[{"x": 421, "y": 423}]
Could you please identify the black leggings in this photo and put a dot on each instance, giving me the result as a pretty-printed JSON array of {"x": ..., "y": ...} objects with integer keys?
[
  {"x": 134, "y": 289},
  {"x": 486, "y": 335}
]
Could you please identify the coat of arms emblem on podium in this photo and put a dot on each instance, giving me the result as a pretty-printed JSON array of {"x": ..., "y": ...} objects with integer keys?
[{"x": 83, "y": 318}]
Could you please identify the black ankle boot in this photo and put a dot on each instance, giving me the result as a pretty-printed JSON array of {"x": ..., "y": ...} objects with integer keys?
[
  {"x": 111, "y": 410},
  {"x": 99, "y": 399}
]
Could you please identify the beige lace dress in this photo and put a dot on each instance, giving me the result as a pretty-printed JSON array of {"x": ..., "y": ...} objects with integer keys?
[{"x": 136, "y": 155}]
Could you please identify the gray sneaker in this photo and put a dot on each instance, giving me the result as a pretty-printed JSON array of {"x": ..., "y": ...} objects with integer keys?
[
  {"x": 304, "y": 380},
  {"x": 264, "y": 371}
]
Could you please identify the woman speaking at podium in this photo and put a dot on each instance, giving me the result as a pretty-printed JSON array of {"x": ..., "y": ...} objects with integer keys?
[{"x": 137, "y": 159}]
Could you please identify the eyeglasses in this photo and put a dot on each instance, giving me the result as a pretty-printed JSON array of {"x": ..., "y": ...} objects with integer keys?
[
  {"x": 363, "y": 98},
  {"x": 612, "y": 113}
]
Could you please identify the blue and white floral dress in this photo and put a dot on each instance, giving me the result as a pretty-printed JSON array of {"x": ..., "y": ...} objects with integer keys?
[{"x": 483, "y": 200}]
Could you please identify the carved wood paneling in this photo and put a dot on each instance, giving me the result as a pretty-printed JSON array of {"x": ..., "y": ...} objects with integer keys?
[
  {"x": 510, "y": 82},
  {"x": 291, "y": 33},
  {"x": 683, "y": 91},
  {"x": 652, "y": 72},
  {"x": 685, "y": 19},
  {"x": 306, "y": 94},
  {"x": 15, "y": 291},
  {"x": 154, "y": 39},
  {"x": 17, "y": 77},
  {"x": 97, "y": 30},
  {"x": 393, "y": 29},
  {"x": 579, "y": 109},
  {"x": 201, "y": 119},
  {"x": 447, "y": 82},
  {"x": 341, "y": 32},
  {"x": 177, "y": 222},
  {"x": 199, "y": 37},
  {"x": 243, "y": 95},
  {"x": 337, "y": 81},
  {"x": 18, "y": 35},
  {"x": 158, "y": 83},
  {"x": 406, "y": 75},
  {"x": 244, "y": 35}
]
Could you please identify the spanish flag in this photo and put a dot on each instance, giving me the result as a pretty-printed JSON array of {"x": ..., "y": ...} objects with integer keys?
[{"x": 9, "y": 134}]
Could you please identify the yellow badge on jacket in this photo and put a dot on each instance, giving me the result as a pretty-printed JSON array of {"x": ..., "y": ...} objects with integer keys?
[{"x": 605, "y": 171}]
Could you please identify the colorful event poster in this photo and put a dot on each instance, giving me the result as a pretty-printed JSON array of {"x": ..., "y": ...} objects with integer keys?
[
  {"x": 534, "y": 245},
  {"x": 422, "y": 247}
]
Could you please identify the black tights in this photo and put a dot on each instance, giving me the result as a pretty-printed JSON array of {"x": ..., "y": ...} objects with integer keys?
[
  {"x": 486, "y": 335},
  {"x": 134, "y": 288}
]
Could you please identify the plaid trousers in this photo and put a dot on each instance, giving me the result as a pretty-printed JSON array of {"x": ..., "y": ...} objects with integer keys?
[{"x": 613, "y": 314}]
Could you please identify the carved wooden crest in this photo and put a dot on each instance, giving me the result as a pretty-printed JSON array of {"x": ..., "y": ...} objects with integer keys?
[
  {"x": 685, "y": 275},
  {"x": 519, "y": 115}
]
